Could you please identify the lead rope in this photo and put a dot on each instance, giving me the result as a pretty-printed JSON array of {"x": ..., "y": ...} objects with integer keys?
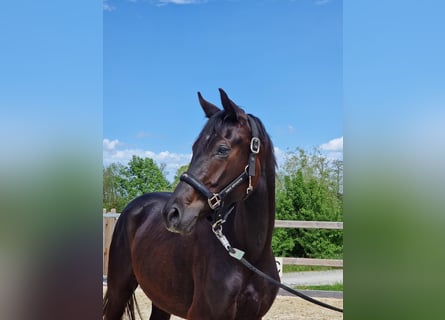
[{"x": 239, "y": 255}]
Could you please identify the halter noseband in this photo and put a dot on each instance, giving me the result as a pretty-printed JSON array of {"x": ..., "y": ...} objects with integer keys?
[{"x": 216, "y": 200}]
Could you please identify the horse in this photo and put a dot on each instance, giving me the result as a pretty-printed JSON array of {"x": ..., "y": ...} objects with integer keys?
[{"x": 166, "y": 243}]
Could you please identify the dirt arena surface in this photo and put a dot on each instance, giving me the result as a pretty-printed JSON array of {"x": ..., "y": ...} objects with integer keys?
[{"x": 284, "y": 308}]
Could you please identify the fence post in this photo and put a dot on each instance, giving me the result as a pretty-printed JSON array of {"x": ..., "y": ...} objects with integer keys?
[{"x": 108, "y": 227}]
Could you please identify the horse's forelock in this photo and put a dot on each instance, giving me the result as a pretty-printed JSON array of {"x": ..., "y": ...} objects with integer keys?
[
  {"x": 214, "y": 127},
  {"x": 211, "y": 128}
]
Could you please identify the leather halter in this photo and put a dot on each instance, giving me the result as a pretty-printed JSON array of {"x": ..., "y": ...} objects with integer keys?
[
  {"x": 216, "y": 203},
  {"x": 216, "y": 200}
]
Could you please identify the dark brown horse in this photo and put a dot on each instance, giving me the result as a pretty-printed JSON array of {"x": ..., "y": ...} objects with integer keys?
[{"x": 165, "y": 243}]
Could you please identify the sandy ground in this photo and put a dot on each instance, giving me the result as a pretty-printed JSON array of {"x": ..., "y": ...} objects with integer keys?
[{"x": 284, "y": 308}]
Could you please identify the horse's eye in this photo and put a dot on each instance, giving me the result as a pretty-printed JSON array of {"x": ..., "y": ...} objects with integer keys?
[{"x": 223, "y": 151}]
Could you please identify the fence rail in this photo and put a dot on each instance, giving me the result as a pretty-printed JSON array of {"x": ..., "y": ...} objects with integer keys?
[
  {"x": 110, "y": 219},
  {"x": 296, "y": 224},
  {"x": 308, "y": 224},
  {"x": 313, "y": 262}
]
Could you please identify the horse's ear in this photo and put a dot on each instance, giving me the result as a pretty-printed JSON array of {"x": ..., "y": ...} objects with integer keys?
[
  {"x": 209, "y": 108},
  {"x": 231, "y": 108}
]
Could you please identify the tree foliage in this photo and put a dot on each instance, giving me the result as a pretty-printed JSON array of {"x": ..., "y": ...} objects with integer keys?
[
  {"x": 180, "y": 171},
  {"x": 309, "y": 188},
  {"x": 113, "y": 195},
  {"x": 121, "y": 184},
  {"x": 142, "y": 175}
]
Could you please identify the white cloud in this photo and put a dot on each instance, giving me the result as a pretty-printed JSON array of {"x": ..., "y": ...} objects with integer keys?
[
  {"x": 180, "y": 2},
  {"x": 333, "y": 145},
  {"x": 107, "y": 7},
  {"x": 143, "y": 134},
  {"x": 333, "y": 148},
  {"x": 172, "y": 161},
  {"x": 321, "y": 2},
  {"x": 110, "y": 144}
]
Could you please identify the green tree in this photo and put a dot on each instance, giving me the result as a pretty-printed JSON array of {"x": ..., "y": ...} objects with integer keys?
[
  {"x": 142, "y": 175},
  {"x": 113, "y": 194},
  {"x": 180, "y": 171},
  {"x": 338, "y": 175},
  {"x": 121, "y": 184},
  {"x": 309, "y": 189}
]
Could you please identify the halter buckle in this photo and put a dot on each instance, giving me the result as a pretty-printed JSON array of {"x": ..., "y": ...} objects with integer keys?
[
  {"x": 255, "y": 144},
  {"x": 214, "y": 202}
]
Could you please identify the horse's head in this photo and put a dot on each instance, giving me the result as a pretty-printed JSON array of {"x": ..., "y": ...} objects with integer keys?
[{"x": 222, "y": 168}]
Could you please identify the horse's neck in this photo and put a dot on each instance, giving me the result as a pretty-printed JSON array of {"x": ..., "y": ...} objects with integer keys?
[{"x": 254, "y": 220}]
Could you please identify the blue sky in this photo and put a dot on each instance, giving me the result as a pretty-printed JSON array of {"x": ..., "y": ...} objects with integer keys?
[{"x": 280, "y": 60}]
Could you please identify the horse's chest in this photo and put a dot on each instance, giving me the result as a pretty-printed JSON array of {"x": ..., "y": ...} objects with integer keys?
[
  {"x": 250, "y": 301},
  {"x": 249, "y": 294}
]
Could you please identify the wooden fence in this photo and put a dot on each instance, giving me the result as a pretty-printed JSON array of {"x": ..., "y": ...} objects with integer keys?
[
  {"x": 110, "y": 218},
  {"x": 310, "y": 225},
  {"x": 109, "y": 221}
]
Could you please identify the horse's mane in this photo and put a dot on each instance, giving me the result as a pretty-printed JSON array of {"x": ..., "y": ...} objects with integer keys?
[{"x": 266, "y": 142}]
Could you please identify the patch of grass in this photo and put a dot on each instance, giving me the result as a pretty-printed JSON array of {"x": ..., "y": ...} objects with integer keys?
[
  {"x": 327, "y": 287},
  {"x": 296, "y": 268}
]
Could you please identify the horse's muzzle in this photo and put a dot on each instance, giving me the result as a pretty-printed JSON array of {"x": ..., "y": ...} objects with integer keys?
[
  {"x": 178, "y": 221},
  {"x": 171, "y": 217}
]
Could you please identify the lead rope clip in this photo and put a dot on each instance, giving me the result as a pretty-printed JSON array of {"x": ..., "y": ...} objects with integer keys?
[
  {"x": 217, "y": 230},
  {"x": 250, "y": 187}
]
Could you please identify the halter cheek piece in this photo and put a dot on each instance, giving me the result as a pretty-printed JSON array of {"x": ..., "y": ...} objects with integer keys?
[{"x": 216, "y": 200}]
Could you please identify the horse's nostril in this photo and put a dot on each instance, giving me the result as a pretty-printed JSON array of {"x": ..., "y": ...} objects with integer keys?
[{"x": 173, "y": 216}]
